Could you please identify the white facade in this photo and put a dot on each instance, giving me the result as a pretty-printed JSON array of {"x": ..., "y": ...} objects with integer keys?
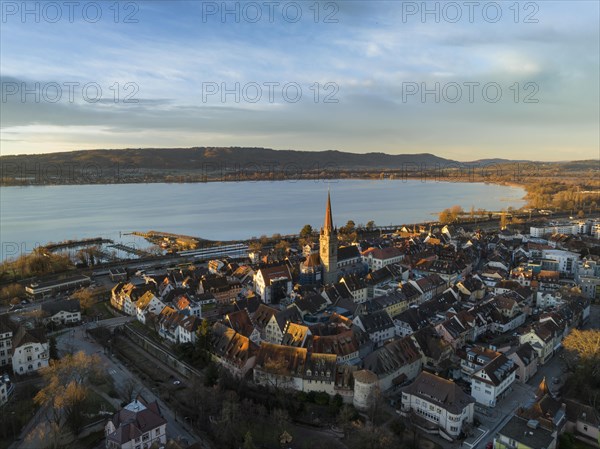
[
  {"x": 548, "y": 299},
  {"x": 5, "y": 347},
  {"x": 566, "y": 260},
  {"x": 65, "y": 317},
  {"x": 263, "y": 286},
  {"x": 449, "y": 418},
  {"x": 30, "y": 357},
  {"x": 486, "y": 392},
  {"x": 154, "y": 306}
]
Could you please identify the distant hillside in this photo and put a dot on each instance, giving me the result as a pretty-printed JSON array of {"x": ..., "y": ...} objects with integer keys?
[
  {"x": 202, "y": 164},
  {"x": 202, "y": 157}
]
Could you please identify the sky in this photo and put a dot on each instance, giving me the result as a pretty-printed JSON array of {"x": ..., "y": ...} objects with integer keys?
[{"x": 462, "y": 80}]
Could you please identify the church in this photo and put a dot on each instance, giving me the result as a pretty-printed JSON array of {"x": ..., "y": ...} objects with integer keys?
[{"x": 331, "y": 262}]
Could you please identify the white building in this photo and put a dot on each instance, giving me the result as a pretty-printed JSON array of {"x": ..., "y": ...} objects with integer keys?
[
  {"x": 67, "y": 311},
  {"x": 492, "y": 381},
  {"x": 137, "y": 426},
  {"x": 148, "y": 303},
  {"x": 566, "y": 260},
  {"x": 6, "y": 389},
  {"x": 273, "y": 283},
  {"x": 30, "y": 350},
  {"x": 6, "y": 335},
  {"x": 377, "y": 258},
  {"x": 587, "y": 277},
  {"x": 440, "y": 402},
  {"x": 544, "y": 300}
]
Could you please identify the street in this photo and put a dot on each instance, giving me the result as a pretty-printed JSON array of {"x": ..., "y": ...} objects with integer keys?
[
  {"x": 79, "y": 341},
  {"x": 75, "y": 340}
]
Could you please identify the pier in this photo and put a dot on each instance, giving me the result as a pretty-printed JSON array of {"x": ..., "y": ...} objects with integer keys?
[{"x": 130, "y": 250}]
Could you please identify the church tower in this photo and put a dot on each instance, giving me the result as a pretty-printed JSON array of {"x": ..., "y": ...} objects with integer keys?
[{"x": 328, "y": 242}]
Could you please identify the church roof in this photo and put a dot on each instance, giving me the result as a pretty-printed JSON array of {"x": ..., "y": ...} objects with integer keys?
[{"x": 328, "y": 225}]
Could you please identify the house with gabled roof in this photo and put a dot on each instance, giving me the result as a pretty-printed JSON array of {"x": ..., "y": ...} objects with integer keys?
[
  {"x": 345, "y": 345},
  {"x": 138, "y": 424},
  {"x": 148, "y": 304},
  {"x": 188, "y": 328},
  {"x": 410, "y": 321},
  {"x": 492, "y": 376},
  {"x": 393, "y": 303},
  {"x": 378, "y": 325},
  {"x": 67, "y": 311},
  {"x": 241, "y": 322},
  {"x": 435, "y": 351},
  {"x": 280, "y": 366},
  {"x": 583, "y": 421},
  {"x": 526, "y": 359},
  {"x": 274, "y": 328},
  {"x": 457, "y": 329},
  {"x": 29, "y": 350},
  {"x": 473, "y": 287},
  {"x": 166, "y": 323},
  {"x": 295, "y": 335},
  {"x": 394, "y": 363},
  {"x": 310, "y": 304},
  {"x": 541, "y": 338},
  {"x": 187, "y": 305},
  {"x": 232, "y": 350},
  {"x": 377, "y": 258},
  {"x": 273, "y": 283},
  {"x": 357, "y": 287}
]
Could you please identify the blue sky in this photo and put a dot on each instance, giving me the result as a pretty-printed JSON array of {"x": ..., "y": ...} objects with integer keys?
[{"x": 369, "y": 56}]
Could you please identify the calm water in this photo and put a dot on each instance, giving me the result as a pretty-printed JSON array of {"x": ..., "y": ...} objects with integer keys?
[{"x": 32, "y": 216}]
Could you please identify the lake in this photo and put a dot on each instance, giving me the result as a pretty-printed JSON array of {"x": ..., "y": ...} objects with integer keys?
[{"x": 36, "y": 215}]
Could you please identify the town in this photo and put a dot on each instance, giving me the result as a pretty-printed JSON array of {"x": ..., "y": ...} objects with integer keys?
[{"x": 437, "y": 336}]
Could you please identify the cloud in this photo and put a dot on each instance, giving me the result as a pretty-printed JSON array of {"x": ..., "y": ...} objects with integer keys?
[{"x": 369, "y": 54}]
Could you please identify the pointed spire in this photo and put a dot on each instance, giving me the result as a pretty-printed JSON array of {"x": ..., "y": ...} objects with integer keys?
[
  {"x": 328, "y": 217},
  {"x": 542, "y": 388}
]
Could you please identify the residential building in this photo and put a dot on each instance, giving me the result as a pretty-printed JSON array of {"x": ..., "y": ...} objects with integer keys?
[
  {"x": 541, "y": 338},
  {"x": 138, "y": 425},
  {"x": 232, "y": 350},
  {"x": 147, "y": 304},
  {"x": 7, "y": 327},
  {"x": 30, "y": 350},
  {"x": 378, "y": 325},
  {"x": 522, "y": 433},
  {"x": 377, "y": 258},
  {"x": 67, "y": 311},
  {"x": 439, "y": 405},
  {"x": 395, "y": 363},
  {"x": 526, "y": 360},
  {"x": 44, "y": 289},
  {"x": 583, "y": 422},
  {"x": 273, "y": 283},
  {"x": 493, "y": 379}
]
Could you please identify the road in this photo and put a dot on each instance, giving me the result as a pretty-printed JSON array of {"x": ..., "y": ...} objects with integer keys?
[{"x": 79, "y": 341}]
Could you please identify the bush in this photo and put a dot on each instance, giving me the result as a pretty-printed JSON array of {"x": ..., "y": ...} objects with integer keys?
[
  {"x": 397, "y": 426},
  {"x": 337, "y": 401},
  {"x": 321, "y": 398}
]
